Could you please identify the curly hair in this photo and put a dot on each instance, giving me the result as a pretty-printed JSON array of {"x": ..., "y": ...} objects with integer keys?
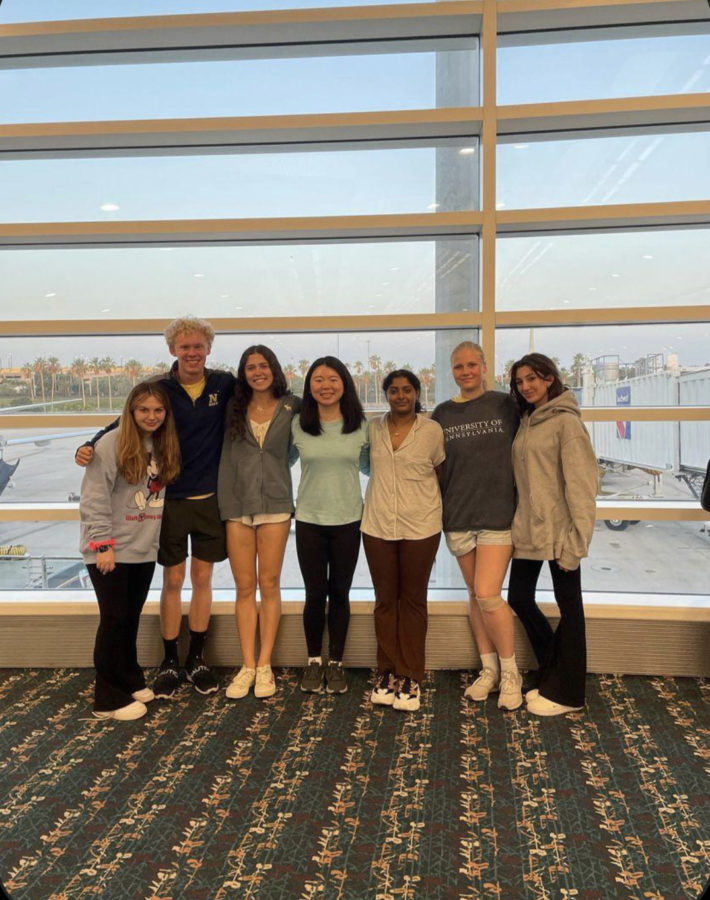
[
  {"x": 189, "y": 325},
  {"x": 243, "y": 393}
]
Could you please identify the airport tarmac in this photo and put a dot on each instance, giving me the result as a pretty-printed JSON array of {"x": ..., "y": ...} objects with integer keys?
[{"x": 648, "y": 557}]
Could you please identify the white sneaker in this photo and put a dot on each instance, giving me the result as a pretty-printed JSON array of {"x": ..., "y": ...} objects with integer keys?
[
  {"x": 383, "y": 691},
  {"x": 135, "y": 710},
  {"x": 530, "y": 694},
  {"x": 541, "y": 706},
  {"x": 510, "y": 696},
  {"x": 485, "y": 684},
  {"x": 145, "y": 695},
  {"x": 407, "y": 695},
  {"x": 265, "y": 685},
  {"x": 239, "y": 686}
]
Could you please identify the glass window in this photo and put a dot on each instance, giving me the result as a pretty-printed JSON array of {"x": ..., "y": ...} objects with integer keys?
[
  {"x": 94, "y": 374},
  {"x": 632, "y": 557},
  {"x": 596, "y": 171},
  {"x": 375, "y": 278},
  {"x": 620, "y": 62},
  {"x": 263, "y": 87},
  {"x": 661, "y": 268},
  {"x": 413, "y": 179},
  {"x": 649, "y": 361}
]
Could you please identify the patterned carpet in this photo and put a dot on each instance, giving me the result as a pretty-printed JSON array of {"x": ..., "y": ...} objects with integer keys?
[{"x": 304, "y": 797}]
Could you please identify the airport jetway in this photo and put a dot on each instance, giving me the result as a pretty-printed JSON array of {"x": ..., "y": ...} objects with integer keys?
[{"x": 657, "y": 449}]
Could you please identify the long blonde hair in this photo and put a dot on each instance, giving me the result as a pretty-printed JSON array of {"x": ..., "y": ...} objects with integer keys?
[
  {"x": 472, "y": 345},
  {"x": 131, "y": 456}
]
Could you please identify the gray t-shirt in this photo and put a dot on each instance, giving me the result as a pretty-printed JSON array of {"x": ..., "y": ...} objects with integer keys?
[{"x": 477, "y": 487}]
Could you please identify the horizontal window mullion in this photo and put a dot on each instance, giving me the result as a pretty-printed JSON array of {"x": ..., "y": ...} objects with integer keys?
[
  {"x": 9, "y": 420},
  {"x": 646, "y": 413},
  {"x": 252, "y": 325},
  {"x": 607, "y": 217},
  {"x": 245, "y": 35},
  {"x": 602, "y": 316},
  {"x": 646, "y": 511},
  {"x": 224, "y": 231},
  {"x": 546, "y": 15},
  {"x": 311, "y": 132},
  {"x": 575, "y": 119}
]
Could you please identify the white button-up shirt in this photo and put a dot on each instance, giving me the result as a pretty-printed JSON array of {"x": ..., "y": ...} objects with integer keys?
[{"x": 403, "y": 500}]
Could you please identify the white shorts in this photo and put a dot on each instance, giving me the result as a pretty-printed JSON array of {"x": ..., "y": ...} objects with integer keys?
[
  {"x": 262, "y": 519},
  {"x": 462, "y": 542}
]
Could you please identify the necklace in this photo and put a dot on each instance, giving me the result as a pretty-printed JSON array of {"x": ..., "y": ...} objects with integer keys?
[{"x": 394, "y": 429}]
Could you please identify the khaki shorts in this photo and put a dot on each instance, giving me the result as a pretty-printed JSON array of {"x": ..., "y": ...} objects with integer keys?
[
  {"x": 462, "y": 542},
  {"x": 200, "y": 521}
]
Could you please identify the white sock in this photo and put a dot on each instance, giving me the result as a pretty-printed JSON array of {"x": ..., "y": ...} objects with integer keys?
[
  {"x": 509, "y": 665},
  {"x": 490, "y": 661},
  {"x": 315, "y": 659}
]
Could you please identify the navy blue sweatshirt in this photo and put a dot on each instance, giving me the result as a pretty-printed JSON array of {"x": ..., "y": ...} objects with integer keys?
[{"x": 200, "y": 429}]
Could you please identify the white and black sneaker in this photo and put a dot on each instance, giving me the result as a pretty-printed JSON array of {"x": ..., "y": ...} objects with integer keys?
[
  {"x": 383, "y": 692},
  {"x": 407, "y": 696},
  {"x": 201, "y": 676},
  {"x": 167, "y": 682}
]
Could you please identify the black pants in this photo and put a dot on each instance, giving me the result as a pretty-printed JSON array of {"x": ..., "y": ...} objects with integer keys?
[
  {"x": 327, "y": 555},
  {"x": 561, "y": 654},
  {"x": 121, "y": 595}
]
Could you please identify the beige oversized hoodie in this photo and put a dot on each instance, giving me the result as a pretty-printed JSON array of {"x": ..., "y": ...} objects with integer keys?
[{"x": 557, "y": 477}]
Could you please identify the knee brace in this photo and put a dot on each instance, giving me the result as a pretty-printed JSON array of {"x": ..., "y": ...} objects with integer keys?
[{"x": 490, "y": 604}]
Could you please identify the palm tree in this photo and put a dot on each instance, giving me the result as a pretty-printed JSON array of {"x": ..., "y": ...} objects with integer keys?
[
  {"x": 29, "y": 374},
  {"x": 426, "y": 376},
  {"x": 39, "y": 367},
  {"x": 376, "y": 365},
  {"x": 79, "y": 369},
  {"x": 290, "y": 373},
  {"x": 96, "y": 367},
  {"x": 54, "y": 369},
  {"x": 108, "y": 365},
  {"x": 578, "y": 364},
  {"x": 161, "y": 367},
  {"x": 133, "y": 368},
  {"x": 358, "y": 367}
]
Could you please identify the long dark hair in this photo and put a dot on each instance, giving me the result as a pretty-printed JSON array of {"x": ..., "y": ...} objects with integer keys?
[
  {"x": 243, "y": 393},
  {"x": 350, "y": 406},
  {"x": 411, "y": 378},
  {"x": 543, "y": 367}
]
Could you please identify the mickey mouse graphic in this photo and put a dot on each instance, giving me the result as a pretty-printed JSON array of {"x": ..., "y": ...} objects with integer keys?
[{"x": 150, "y": 494}]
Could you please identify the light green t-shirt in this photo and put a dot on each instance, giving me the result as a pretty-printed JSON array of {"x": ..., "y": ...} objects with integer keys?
[{"x": 329, "y": 492}]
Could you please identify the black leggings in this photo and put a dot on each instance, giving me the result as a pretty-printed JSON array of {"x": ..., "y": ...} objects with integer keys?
[
  {"x": 561, "y": 654},
  {"x": 327, "y": 555},
  {"x": 121, "y": 595}
]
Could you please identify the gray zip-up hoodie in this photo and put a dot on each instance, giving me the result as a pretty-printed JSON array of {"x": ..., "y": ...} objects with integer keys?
[
  {"x": 110, "y": 508},
  {"x": 557, "y": 478},
  {"x": 254, "y": 479}
]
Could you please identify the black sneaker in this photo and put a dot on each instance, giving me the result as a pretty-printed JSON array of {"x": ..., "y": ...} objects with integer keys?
[
  {"x": 167, "y": 682},
  {"x": 335, "y": 682},
  {"x": 312, "y": 680},
  {"x": 201, "y": 676}
]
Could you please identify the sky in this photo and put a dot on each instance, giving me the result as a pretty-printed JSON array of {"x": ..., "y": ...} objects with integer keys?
[{"x": 650, "y": 268}]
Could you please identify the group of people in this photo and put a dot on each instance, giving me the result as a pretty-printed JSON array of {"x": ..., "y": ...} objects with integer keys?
[{"x": 206, "y": 456}]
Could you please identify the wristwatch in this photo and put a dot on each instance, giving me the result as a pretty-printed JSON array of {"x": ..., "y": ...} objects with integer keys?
[{"x": 103, "y": 548}]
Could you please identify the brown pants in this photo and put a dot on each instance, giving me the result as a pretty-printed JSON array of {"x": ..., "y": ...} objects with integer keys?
[{"x": 400, "y": 574}]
